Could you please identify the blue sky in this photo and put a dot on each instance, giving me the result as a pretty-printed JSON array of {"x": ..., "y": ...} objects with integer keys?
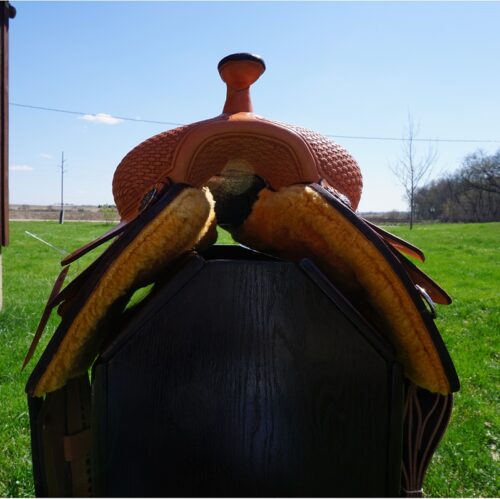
[{"x": 339, "y": 68}]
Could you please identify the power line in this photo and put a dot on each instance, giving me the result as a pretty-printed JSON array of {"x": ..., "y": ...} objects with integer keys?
[
  {"x": 170, "y": 123},
  {"x": 413, "y": 139},
  {"x": 80, "y": 113}
]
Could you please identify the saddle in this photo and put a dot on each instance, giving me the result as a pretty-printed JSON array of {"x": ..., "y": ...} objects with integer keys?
[{"x": 277, "y": 188}]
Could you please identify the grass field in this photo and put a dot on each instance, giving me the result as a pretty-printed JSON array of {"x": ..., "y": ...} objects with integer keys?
[{"x": 463, "y": 258}]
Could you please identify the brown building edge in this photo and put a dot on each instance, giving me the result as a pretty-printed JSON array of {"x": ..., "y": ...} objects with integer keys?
[{"x": 7, "y": 12}]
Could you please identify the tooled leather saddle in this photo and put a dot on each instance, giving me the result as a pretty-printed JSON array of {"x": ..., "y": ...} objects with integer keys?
[{"x": 277, "y": 188}]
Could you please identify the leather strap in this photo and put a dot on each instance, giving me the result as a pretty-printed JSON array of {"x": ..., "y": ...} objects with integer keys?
[
  {"x": 426, "y": 417},
  {"x": 114, "y": 232},
  {"x": 420, "y": 278},
  {"x": 68, "y": 294},
  {"x": 396, "y": 242},
  {"x": 436, "y": 292},
  {"x": 46, "y": 314}
]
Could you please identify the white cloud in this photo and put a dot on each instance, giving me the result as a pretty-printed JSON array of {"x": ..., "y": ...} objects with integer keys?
[
  {"x": 44, "y": 155},
  {"x": 21, "y": 168},
  {"x": 104, "y": 118}
]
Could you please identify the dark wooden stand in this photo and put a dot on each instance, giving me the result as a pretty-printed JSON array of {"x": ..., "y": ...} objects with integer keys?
[{"x": 244, "y": 376}]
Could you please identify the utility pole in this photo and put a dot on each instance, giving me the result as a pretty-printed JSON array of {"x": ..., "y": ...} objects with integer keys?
[{"x": 61, "y": 213}]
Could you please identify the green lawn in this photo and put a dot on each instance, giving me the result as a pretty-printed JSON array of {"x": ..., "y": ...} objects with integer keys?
[{"x": 463, "y": 258}]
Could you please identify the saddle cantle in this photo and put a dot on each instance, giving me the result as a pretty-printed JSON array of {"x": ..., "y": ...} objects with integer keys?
[{"x": 235, "y": 141}]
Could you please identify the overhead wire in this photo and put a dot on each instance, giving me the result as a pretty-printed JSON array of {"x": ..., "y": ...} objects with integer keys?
[
  {"x": 80, "y": 113},
  {"x": 171, "y": 123}
]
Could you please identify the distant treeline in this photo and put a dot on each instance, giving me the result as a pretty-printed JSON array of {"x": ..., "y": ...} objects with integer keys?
[{"x": 471, "y": 194}]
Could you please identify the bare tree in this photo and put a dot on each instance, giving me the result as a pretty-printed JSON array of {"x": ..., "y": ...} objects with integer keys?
[
  {"x": 470, "y": 194},
  {"x": 413, "y": 168},
  {"x": 482, "y": 172}
]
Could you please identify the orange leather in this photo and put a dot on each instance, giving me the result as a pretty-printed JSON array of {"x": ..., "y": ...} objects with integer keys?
[
  {"x": 281, "y": 154},
  {"x": 238, "y": 76}
]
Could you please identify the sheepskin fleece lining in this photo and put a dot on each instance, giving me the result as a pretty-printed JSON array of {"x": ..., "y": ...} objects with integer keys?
[
  {"x": 297, "y": 222},
  {"x": 174, "y": 231}
]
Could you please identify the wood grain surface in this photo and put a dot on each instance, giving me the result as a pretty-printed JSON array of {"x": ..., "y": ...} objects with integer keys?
[{"x": 246, "y": 378}]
